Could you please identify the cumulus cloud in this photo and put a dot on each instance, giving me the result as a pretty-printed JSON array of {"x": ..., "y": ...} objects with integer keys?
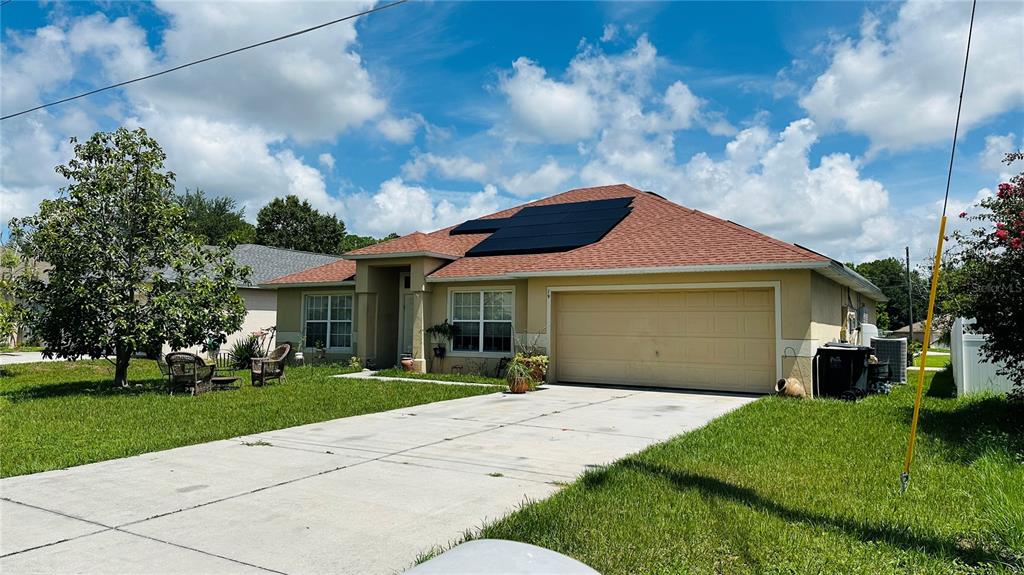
[
  {"x": 898, "y": 83},
  {"x": 600, "y": 90},
  {"x": 403, "y": 208},
  {"x": 326, "y": 160},
  {"x": 399, "y": 130},
  {"x": 996, "y": 148},
  {"x": 545, "y": 180},
  {"x": 447, "y": 167},
  {"x": 764, "y": 180}
]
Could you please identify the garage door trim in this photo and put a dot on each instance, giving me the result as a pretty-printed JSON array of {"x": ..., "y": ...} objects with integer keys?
[{"x": 775, "y": 285}]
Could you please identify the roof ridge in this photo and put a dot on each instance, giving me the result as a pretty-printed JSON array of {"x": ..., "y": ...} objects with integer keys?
[{"x": 288, "y": 250}]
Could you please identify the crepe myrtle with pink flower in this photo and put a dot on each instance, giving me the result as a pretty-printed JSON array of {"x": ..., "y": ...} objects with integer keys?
[{"x": 987, "y": 267}]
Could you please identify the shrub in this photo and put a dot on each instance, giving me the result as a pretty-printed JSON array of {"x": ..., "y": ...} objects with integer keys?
[{"x": 244, "y": 350}]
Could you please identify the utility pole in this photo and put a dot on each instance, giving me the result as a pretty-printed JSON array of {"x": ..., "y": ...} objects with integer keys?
[{"x": 910, "y": 312}]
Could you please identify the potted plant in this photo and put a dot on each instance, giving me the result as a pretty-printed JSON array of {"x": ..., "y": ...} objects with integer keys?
[
  {"x": 517, "y": 374},
  {"x": 321, "y": 350},
  {"x": 538, "y": 365},
  {"x": 440, "y": 334}
]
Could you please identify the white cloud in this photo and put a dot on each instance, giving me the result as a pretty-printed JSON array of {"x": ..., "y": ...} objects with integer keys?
[
  {"x": 766, "y": 181},
  {"x": 544, "y": 181},
  {"x": 245, "y": 163},
  {"x": 609, "y": 33},
  {"x": 399, "y": 130},
  {"x": 555, "y": 111},
  {"x": 404, "y": 208},
  {"x": 311, "y": 87},
  {"x": 326, "y": 160},
  {"x": 447, "y": 167},
  {"x": 996, "y": 148},
  {"x": 899, "y": 84}
]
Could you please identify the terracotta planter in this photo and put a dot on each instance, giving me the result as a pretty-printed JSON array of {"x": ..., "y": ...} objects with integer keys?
[
  {"x": 407, "y": 362},
  {"x": 790, "y": 387},
  {"x": 519, "y": 385}
]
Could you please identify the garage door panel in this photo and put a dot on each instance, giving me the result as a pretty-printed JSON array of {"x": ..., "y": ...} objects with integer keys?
[{"x": 703, "y": 339}]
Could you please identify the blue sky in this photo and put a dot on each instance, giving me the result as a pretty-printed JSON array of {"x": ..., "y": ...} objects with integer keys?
[{"x": 825, "y": 124}]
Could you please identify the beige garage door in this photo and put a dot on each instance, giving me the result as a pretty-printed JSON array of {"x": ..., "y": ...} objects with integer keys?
[{"x": 721, "y": 339}]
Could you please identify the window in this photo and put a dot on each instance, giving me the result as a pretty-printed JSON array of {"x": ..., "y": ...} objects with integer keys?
[
  {"x": 483, "y": 320},
  {"x": 329, "y": 321}
]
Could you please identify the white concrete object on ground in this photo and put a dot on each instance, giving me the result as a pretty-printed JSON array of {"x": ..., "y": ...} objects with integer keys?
[
  {"x": 499, "y": 557},
  {"x": 364, "y": 494}
]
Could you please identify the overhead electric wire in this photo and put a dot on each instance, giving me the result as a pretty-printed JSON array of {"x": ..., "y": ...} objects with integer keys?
[
  {"x": 207, "y": 59},
  {"x": 909, "y": 458}
]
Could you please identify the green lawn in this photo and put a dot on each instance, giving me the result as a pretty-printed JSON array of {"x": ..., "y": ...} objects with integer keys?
[
  {"x": 59, "y": 414},
  {"x": 462, "y": 378},
  {"x": 21, "y": 348},
  {"x": 786, "y": 486},
  {"x": 933, "y": 360}
]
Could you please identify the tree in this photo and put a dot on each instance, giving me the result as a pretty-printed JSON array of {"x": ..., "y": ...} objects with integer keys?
[
  {"x": 293, "y": 223},
  {"x": 124, "y": 272},
  {"x": 989, "y": 277},
  {"x": 890, "y": 275},
  {"x": 10, "y": 311},
  {"x": 215, "y": 221}
]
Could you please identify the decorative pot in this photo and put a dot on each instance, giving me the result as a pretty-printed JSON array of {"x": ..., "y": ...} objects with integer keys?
[
  {"x": 439, "y": 351},
  {"x": 519, "y": 385},
  {"x": 407, "y": 362},
  {"x": 790, "y": 387}
]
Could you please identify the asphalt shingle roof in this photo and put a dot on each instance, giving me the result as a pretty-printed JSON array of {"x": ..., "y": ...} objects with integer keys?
[
  {"x": 268, "y": 263},
  {"x": 656, "y": 234}
]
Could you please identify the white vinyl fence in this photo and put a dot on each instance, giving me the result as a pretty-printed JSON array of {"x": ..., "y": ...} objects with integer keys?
[{"x": 971, "y": 373}]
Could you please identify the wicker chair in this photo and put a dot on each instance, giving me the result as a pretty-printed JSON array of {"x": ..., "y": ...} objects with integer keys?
[
  {"x": 189, "y": 372},
  {"x": 272, "y": 367}
]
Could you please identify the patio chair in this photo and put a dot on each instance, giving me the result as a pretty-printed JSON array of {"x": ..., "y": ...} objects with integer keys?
[
  {"x": 271, "y": 367},
  {"x": 164, "y": 370},
  {"x": 188, "y": 371}
]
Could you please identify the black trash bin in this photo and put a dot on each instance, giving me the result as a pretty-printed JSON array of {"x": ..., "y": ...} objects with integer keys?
[{"x": 841, "y": 370}]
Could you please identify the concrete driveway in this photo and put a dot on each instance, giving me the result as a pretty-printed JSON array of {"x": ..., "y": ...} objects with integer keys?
[{"x": 363, "y": 494}]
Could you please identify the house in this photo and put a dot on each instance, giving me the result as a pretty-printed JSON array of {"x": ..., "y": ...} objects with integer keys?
[
  {"x": 936, "y": 335},
  {"x": 265, "y": 263},
  {"x": 654, "y": 294}
]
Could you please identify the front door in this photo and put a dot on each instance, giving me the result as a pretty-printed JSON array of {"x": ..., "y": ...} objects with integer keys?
[{"x": 405, "y": 315}]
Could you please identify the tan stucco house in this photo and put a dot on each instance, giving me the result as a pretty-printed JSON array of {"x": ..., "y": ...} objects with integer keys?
[{"x": 666, "y": 296}]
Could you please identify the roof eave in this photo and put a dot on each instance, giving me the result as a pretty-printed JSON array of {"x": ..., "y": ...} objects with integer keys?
[
  {"x": 327, "y": 283},
  {"x": 400, "y": 255},
  {"x": 641, "y": 270},
  {"x": 843, "y": 275}
]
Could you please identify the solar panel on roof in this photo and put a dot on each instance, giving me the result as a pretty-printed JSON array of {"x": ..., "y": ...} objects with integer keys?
[{"x": 547, "y": 228}]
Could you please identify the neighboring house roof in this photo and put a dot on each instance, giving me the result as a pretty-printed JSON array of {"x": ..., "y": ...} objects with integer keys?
[
  {"x": 656, "y": 236},
  {"x": 267, "y": 263},
  {"x": 919, "y": 327}
]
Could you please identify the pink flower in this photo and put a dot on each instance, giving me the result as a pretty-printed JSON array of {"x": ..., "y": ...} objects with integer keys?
[
  {"x": 963, "y": 214},
  {"x": 1002, "y": 234},
  {"x": 1000, "y": 226},
  {"x": 1015, "y": 243},
  {"x": 1005, "y": 187}
]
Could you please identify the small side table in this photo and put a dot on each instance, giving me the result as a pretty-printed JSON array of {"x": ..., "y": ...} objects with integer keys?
[{"x": 226, "y": 382}]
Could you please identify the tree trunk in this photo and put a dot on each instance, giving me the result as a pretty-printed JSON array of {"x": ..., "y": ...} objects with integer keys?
[{"x": 124, "y": 355}]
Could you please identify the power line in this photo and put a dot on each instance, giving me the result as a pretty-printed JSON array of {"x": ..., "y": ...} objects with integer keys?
[{"x": 207, "y": 59}]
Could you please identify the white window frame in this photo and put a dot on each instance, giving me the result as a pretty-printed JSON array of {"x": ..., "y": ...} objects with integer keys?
[
  {"x": 352, "y": 333},
  {"x": 481, "y": 290}
]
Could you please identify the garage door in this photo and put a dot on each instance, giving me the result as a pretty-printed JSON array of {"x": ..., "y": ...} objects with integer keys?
[{"x": 721, "y": 339}]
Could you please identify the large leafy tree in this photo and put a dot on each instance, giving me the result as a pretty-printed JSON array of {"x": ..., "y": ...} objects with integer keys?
[
  {"x": 890, "y": 275},
  {"x": 124, "y": 271},
  {"x": 215, "y": 220},
  {"x": 292, "y": 223},
  {"x": 989, "y": 274}
]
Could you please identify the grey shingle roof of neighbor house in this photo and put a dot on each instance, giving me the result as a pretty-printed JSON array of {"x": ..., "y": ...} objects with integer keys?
[{"x": 268, "y": 263}]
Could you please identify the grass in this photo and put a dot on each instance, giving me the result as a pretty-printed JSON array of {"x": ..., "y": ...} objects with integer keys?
[
  {"x": 786, "y": 486},
  {"x": 21, "y": 348},
  {"x": 457, "y": 377},
  {"x": 60, "y": 414},
  {"x": 932, "y": 360}
]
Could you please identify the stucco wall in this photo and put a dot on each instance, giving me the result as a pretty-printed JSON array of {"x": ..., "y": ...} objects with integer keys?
[
  {"x": 261, "y": 313},
  {"x": 289, "y": 314}
]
